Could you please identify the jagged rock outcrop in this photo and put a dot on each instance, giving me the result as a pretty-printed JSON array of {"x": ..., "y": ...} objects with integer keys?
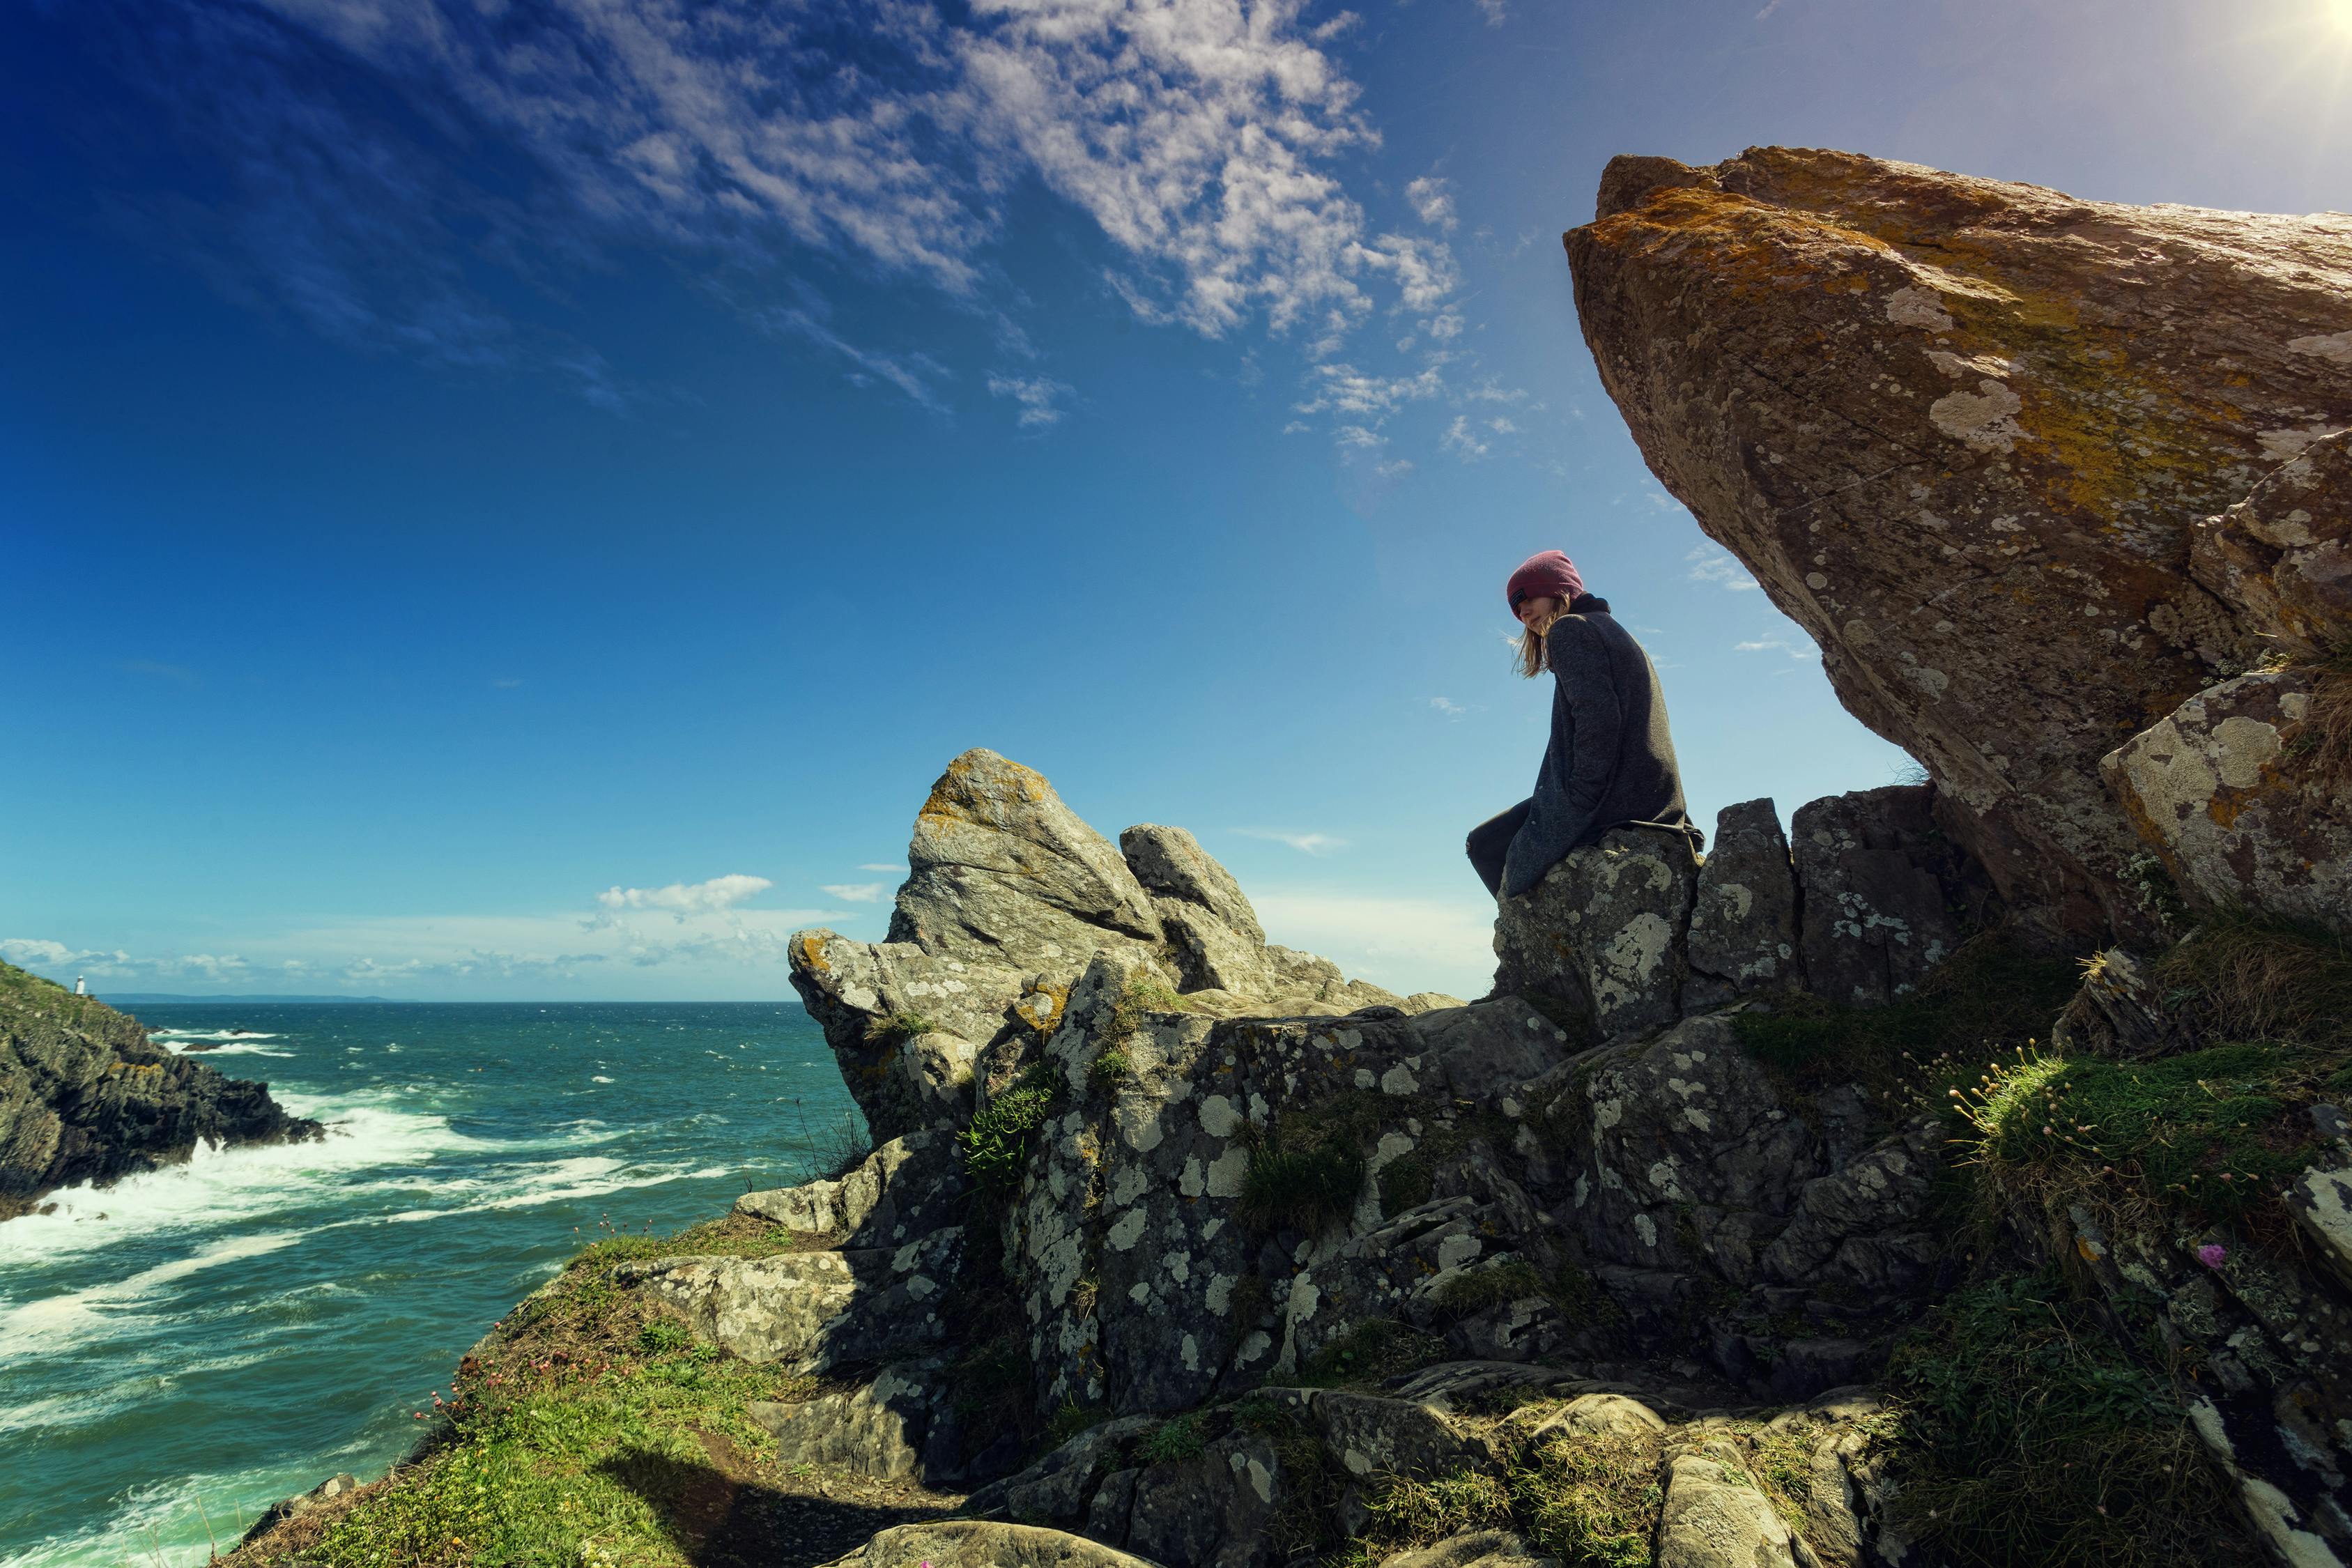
[
  {"x": 1887, "y": 895},
  {"x": 1009, "y": 897},
  {"x": 86, "y": 1097},
  {"x": 1963, "y": 433},
  {"x": 1743, "y": 929}
]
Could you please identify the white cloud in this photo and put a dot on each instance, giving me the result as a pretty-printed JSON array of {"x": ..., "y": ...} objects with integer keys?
[
  {"x": 1495, "y": 11},
  {"x": 1430, "y": 197},
  {"x": 884, "y": 866},
  {"x": 1447, "y": 706},
  {"x": 1458, "y": 438},
  {"x": 1343, "y": 389},
  {"x": 1501, "y": 426},
  {"x": 1357, "y": 435},
  {"x": 1709, "y": 564},
  {"x": 1306, "y": 842},
  {"x": 855, "y": 892},
  {"x": 910, "y": 374},
  {"x": 688, "y": 898},
  {"x": 1035, "y": 394},
  {"x": 1776, "y": 642},
  {"x": 1395, "y": 470}
]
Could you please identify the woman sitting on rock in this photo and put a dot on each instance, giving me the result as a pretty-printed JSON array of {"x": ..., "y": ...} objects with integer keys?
[{"x": 1610, "y": 761}]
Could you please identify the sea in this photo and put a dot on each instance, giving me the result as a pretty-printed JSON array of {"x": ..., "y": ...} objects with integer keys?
[{"x": 182, "y": 1348}]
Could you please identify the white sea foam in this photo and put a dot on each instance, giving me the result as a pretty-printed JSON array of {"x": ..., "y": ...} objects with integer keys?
[
  {"x": 215, "y": 1035},
  {"x": 559, "y": 1180},
  {"x": 241, "y": 1049},
  {"x": 218, "y": 1188},
  {"x": 600, "y": 1077},
  {"x": 170, "y": 1510},
  {"x": 51, "y": 1324}
]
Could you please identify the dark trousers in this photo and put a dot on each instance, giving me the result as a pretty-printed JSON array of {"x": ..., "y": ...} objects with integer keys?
[{"x": 1491, "y": 840}]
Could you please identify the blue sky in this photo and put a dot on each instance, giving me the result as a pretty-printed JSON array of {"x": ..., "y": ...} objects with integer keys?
[{"x": 513, "y": 499}]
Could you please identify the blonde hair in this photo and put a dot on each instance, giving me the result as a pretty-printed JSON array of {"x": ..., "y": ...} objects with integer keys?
[{"x": 1530, "y": 659}]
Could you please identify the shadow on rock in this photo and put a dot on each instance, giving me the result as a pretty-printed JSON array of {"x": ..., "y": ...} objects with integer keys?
[{"x": 720, "y": 1518}]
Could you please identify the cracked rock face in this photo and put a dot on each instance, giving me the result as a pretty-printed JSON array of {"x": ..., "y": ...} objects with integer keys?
[
  {"x": 1961, "y": 431},
  {"x": 2283, "y": 556}
]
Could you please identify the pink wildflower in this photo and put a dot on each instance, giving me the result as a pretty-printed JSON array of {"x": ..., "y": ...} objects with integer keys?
[{"x": 2212, "y": 1253}]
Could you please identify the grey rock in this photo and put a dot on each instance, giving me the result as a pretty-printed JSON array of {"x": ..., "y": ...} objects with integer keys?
[
  {"x": 1209, "y": 1511},
  {"x": 907, "y": 1188},
  {"x": 1484, "y": 1050},
  {"x": 1114, "y": 1501},
  {"x": 876, "y": 1430},
  {"x": 1375, "y": 1435},
  {"x": 2283, "y": 556},
  {"x": 1610, "y": 1415},
  {"x": 1171, "y": 864},
  {"x": 862, "y": 994},
  {"x": 1878, "y": 886},
  {"x": 984, "y": 1543},
  {"x": 2119, "y": 1011},
  {"x": 1806, "y": 1367},
  {"x": 1898, "y": 453},
  {"x": 2242, "y": 816},
  {"x": 1478, "y": 1549},
  {"x": 1603, "y": 933},
  {"x": 1058, "y": 1487},
  {"x": 1715, "y": 1517},
  {"x": 1743, "y": 929},
  {"x": 813, "y": 1310},
  {"x": 999, "y": 866}
]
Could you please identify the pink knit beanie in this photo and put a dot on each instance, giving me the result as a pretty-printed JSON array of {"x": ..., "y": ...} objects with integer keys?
[{"x": 1548, "y": 572}]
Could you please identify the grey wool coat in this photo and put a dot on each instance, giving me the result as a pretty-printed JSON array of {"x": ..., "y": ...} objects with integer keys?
[{"x": 1611, "y": 761}]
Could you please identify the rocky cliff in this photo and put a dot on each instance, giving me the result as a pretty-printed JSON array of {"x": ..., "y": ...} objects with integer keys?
[
  {"x": 1998, "y": 450},
  {"x": 84, "y": 1096}
]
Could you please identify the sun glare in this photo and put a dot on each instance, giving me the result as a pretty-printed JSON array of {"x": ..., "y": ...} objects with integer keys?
[{"x": 2338, "y": 16}]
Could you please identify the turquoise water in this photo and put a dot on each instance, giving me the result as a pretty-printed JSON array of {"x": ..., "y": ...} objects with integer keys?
[{"x": 228, "y": 1333}]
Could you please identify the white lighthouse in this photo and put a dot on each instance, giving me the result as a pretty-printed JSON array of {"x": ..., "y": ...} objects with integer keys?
[{"x": 80, "y": 988}]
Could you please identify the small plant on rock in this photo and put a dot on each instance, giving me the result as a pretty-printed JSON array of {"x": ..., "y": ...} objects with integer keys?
[
  {"x": 996, "y": 1145},
  {"x": 1172, "y": 1442}
]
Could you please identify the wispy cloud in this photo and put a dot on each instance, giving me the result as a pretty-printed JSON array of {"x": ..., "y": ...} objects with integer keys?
[
  {"x": 910, "y": 374},
  {"x": 1405, "y": 944},
  {"x": 1305, "y": 843},
  {"x": 855, "y": 892},
  {"x": 1433, "y": 199},
  {"x": 1775, "y": 642},
  {"x": 884, "y": 866},
  {"x": 1463, "y": 441},
  {"x": 1204, "y": 141},
  {"x": 1709, "y": 564},
  {"x": 1453, "y": 710},
  {"x": 1035, "y": 394},
  {"x": 1495, "y": 12}
]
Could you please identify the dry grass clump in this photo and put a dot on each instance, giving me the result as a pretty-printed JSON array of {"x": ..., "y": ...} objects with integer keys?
[{"x": 2255, "y": 977}]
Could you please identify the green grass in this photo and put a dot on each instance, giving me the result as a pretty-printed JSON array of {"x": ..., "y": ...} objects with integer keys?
[
  {"x": 1475, "y": 1289},
  {"x": 2210, "y": 1136},
  {"x": 580, "y": 1432},
  {"x": 1308, "y": 1190},
  {"x": 2025, "y": 1437},
  {"x": 1590, "y": 1501},
  {"x": 1172, "y": 1442},
  {"x": 1110, "y": 1069},
  {"x": 1405, "y": 1183},
  {"x": 1987, "y": 997},
  {"x": 896, "y": 1026},
  {"x": 996, "y": 1145}
]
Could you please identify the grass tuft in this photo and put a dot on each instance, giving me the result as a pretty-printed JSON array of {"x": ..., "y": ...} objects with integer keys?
[
  {"x": 1369, "y": 1353},
  {"x": 2025, "y": 1439},
  {"x": 2256, "y": 977},
  {"x": 996, "y": 1145},
  {"x": 1172, "y": 1442}
]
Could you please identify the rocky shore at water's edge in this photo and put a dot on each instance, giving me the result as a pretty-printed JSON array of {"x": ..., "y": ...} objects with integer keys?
[{"x": 86, "y": 1097}]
